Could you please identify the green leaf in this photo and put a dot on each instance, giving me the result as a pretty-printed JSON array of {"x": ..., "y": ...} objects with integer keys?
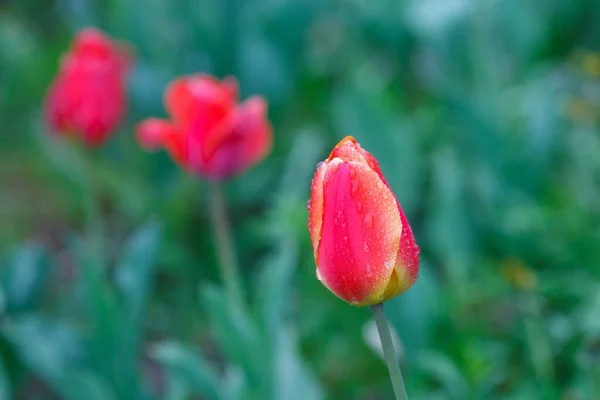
[
  {"x": 236, "y": 332},
  {"x": 440, "y": 368},
  {"x": 102, "y": 314},
  {"x": 135, "y": 270},
  {"x": 133, "y": 277},
  {"x": 64, "y": 156},
  {"x": 414, "y": 313},
  {"x": 273, "y": 287},
  {"x": 22, "y": 277},
  {"x": 188, "y": 370},
  {"x": 292, "y": 380},
  {"x": 54, "y": 352},
  {"x": 5, "y": 386}
]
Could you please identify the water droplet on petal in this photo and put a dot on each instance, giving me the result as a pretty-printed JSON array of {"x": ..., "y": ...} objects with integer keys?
[
  {"x": 388, "y": 265},
  {"x": 341, "y": 213},
  {"x": 379, "y": 184},
  {"x": 368, "y": 220},
  {"x": 319, "y": 277},
  {"x": 346, "y": 239},
  {"x": 352, "y": 173},
  {"x": 366, "y": 247},
  {"x": 335, "y": 166},
  {"x": 321, "y": 164},
  {"x": 354, "y": 301},
  {"x": 308, "y": 204},
  {"x": 344, "y": 226},
  {"x": 369, "y": 270},
  {"x": 359, "y": 207},
  {"x": 353, "y": 188}
]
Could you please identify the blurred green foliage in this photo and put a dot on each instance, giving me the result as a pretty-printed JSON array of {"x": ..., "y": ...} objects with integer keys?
[{"x": 485, "y": 117}]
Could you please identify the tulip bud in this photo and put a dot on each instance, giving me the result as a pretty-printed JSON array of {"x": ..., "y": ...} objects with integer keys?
[
  {"x": 363, "y": 246},
  {"x": 208, "y": 133},
  {"x": 87, "y": 99}
]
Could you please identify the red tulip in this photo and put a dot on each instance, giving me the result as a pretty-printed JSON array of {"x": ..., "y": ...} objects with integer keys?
[
  {"x": 88, "y": 98},
  {"x": 208, "y": 133},
  {"x": 363, "y": 246}
]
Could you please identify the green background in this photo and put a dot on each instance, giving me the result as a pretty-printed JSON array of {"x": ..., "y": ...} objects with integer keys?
[{"x": 485, "y": 118}]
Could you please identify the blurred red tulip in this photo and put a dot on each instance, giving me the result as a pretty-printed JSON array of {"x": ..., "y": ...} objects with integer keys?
[
  {"x": 209, "y": 134},
  {"x": 363, "y": 246},
  {"x": 88, "y": 97}
]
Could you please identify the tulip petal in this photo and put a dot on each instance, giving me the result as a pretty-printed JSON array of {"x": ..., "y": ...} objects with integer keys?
[
  {"x": 315, "y": 208},
  {"x": 237, "y": 144},
  {"x": 349, "y": 150},
  {"x": 408, "y": 255},
  {"x": 92, "y": 42},
  {"x": 151, "y": 133},
  {"x": 200, "y": 102},
  {"x": 360, "y": 234},
  {"x": 88, "y": 99}
]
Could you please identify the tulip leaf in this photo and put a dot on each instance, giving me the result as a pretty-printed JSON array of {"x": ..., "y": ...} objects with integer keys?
[
  {"x": 188, "y": 369},
  {"x": 445, "y": 372},
  {"x": 135, "y": 270},
  {"x": 133, "y": 277},
  {"x": 414, "y": 312},
  {"x": 22, "y": 277},
  {"x": 102, "y": 313},
  {"x": 449, "y": 223},
  {"x": 5, "y": 386},
  {"x": 54, "y": 352},
  {"x": 274, "y": 283},
  {"x": 64, "y": 156},
  {"x": 237, "y": 333},
  {"x": 292, "y": 380}
]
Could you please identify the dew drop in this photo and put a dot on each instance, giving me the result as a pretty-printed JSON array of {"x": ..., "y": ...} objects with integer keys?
[
  {"x": 341, "y": 213},
  {"x": 321, "y": 164},
  {"x": 366, "y": 247},
  {"x": 335, "y": 166},
  {"x": 344, "y": 226},
  {"x": 354, "y": 301},
  {"x": 379, "y": 184},
  {"x": 388, "y": 265},
  {"x": 384, "y": 193},
  {"x": 308, "y": 204},
  {"x": 359, "y": 207},
  {"x": 352, "y": 173},
  {"x": 346, "y": 239},
  {"x": 353, "y": 188},
  {"x": 369, "y": 270},
  {"x": 319, "y": 277},
  {"x": 368, "y": 220}
]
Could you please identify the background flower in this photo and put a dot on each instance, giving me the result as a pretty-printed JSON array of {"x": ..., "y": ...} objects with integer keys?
[
  {"x": 87, "y": 99},
  {"x": 209, "y": 133}
]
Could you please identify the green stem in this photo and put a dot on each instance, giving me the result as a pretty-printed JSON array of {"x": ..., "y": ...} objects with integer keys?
[
  {"x": 388, "y": 351},
  {"x": 93, "y": 216},
  {"x": 540, "y": 352},
  {"x": 224, "y": 244}
]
